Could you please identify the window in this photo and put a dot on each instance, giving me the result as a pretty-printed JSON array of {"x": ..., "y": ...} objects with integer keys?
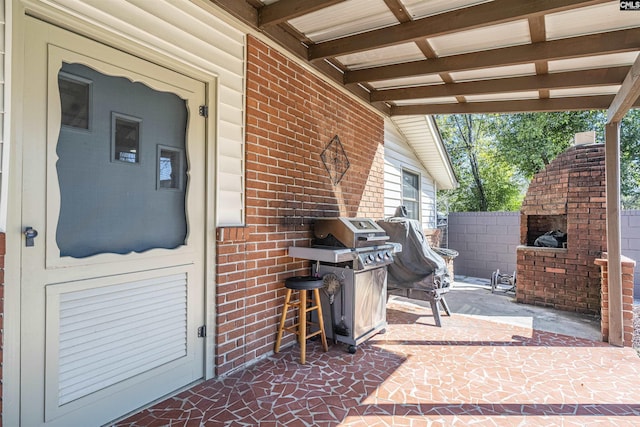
[
  {"x": 125, "y": 138},
  {"x": 75, "y": 100},
  {"x": 169, "y": 168},
  {"x": 411, "y": 194}
]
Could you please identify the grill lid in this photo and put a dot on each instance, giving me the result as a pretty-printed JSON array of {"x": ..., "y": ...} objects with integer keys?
[{"x": 350, "y": 232}]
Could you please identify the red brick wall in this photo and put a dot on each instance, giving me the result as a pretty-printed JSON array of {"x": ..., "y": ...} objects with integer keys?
[
  {"x": 572, "y": 185},
  {"x": 291, "y": 117},
  {"x": 628, "y": 266}
]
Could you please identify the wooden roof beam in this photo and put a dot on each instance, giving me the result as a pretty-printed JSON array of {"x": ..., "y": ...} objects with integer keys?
[
  {"x": 571, "y": 79},
  {"x": 249, "y": 15},
  {"x": 283, "y": 10},
  {"x": 589, "y": 45},
  {"x": 627, "y": 96},
  {"x": 598, "y": 102},
  {"x": 492, "y": 13}
]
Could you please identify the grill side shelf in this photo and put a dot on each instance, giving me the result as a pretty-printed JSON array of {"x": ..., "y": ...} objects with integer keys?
[{"x": 325, "y": 255}]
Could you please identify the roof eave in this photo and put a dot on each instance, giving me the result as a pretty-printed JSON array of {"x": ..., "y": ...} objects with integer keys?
[{"x": 430, "y": 152}]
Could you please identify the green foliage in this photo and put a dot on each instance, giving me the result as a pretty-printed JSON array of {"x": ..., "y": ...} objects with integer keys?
[
  {"x": 486, "y": 181},
  {"x": 507, "y": 187},
  {"x": 494, "y": 156},
  {"x": 503, "y": 187},
  {"x": 533, "y": 140},
  {"x": 630, "y": 160}
]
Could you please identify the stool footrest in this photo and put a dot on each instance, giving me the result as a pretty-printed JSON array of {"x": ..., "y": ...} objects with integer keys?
[
  {"x": 294, "y": 329},
  {"x": 318, "y": 332}
]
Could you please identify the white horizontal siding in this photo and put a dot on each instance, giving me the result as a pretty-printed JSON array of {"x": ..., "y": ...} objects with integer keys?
[
  {"x": 112, "y": 333},
  {"x": 183, "y": 31},
  {"x": 428, "y": 200},
  {"x": 422, "y": 135},
  {"x": 398, "y": 156},
  {"x": 4, "y": 157}
]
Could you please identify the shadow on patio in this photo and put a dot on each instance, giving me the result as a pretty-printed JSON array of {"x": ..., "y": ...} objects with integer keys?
[{"x": 472, "y": 370}]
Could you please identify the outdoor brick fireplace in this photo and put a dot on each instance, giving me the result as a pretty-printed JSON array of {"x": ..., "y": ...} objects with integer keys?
[{"x": 569, "y": 195}]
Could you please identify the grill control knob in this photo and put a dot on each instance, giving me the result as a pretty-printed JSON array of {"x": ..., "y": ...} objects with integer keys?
[{"x": 370, "y": 259}]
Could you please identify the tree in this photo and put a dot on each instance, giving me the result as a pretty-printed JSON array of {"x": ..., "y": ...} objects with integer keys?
[
  {"x": 463, "y": 136},
  {"x": 532, "y": 140},
  {"x": 506, "y": 186},
  {"x": 487, "y": 183},
  {"x": 494, "y": 156},
  {"x": 630, "y": 160}
]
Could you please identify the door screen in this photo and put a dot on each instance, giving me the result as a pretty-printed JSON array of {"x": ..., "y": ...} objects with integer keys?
[{"x": 121, "y": 165}]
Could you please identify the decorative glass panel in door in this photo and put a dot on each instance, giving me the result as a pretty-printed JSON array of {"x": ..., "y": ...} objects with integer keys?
[{"x": 136, "y": 133}]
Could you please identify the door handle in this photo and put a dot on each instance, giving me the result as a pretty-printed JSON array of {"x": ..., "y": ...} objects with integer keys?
[{"x": 30, "y": 233}]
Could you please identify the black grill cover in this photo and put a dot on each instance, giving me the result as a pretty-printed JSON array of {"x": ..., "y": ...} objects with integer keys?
[{"x": 417, "y": 266}]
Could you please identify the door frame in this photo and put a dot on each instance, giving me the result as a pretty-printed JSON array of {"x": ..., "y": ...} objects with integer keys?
[{"x": 15, "y": 24}]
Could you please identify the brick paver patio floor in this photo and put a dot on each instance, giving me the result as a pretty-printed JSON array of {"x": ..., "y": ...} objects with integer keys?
[{"x": 469, "y": 372}]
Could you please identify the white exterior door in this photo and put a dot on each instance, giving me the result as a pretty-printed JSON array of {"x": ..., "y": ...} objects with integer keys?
[{"x": 114, "y": 187}]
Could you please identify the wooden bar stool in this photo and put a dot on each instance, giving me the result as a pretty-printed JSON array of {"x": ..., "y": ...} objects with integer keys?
[{"x": 302, "y": 284}]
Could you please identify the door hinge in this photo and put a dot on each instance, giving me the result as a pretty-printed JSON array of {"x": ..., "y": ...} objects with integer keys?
[
  {"x": 204, "y": 110},
  {"x": 202, "y": 331}
]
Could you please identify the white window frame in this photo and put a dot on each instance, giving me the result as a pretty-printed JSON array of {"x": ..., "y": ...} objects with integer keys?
[{"x": 418, "y": 201}]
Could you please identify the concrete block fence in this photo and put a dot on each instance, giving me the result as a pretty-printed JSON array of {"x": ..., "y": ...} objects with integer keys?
[{"x": 487, "y": 241}]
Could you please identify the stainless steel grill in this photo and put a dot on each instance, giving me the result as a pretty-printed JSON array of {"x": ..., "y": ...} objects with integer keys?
[{"x": 357, "y": 251}]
